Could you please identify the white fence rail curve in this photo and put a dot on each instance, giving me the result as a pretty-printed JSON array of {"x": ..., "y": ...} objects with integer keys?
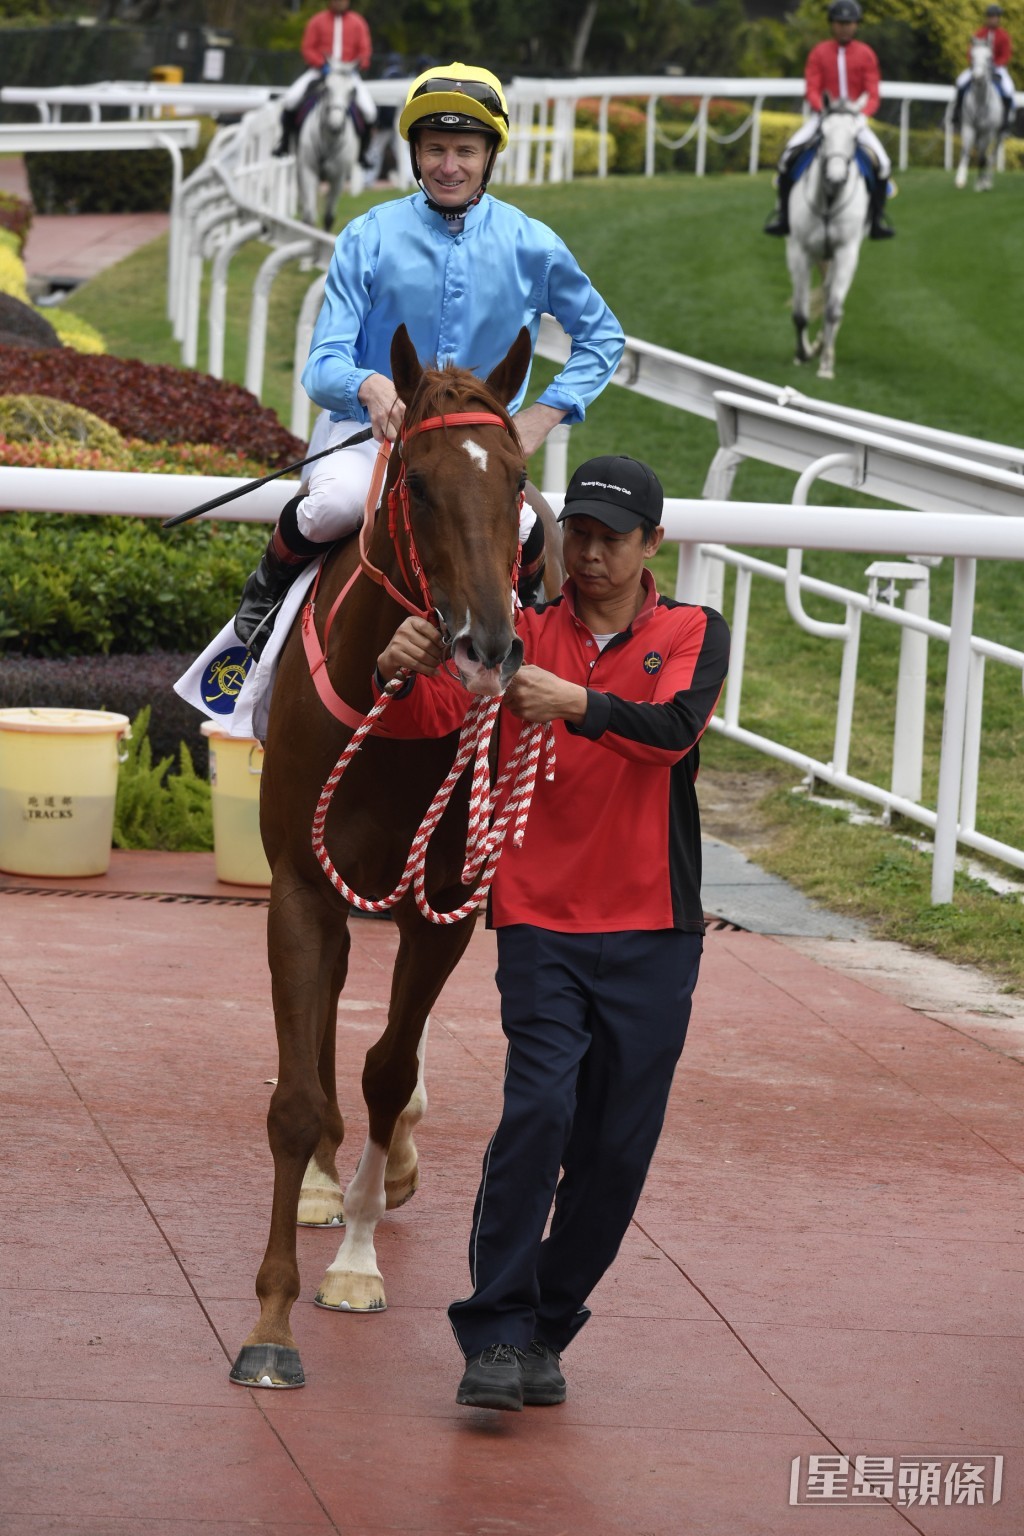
[{"x": 697, "y": 526}]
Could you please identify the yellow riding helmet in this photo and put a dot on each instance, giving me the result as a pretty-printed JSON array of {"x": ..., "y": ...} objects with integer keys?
[{"x": 457, "y": 97}]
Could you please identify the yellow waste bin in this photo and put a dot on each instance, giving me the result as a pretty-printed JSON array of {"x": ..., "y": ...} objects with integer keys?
[
  {"x": 58, "y": 784},
  {"x": 167, "y": 74},
  {"x": 236, "y": 763}
]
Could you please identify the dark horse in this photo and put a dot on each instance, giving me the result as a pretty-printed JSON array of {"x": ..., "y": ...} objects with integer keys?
[{"x": 464, "y": 482}]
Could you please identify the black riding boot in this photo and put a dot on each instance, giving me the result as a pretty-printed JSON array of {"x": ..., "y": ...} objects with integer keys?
[
  {"x": 880, "y": 230},
  {"x": 956, "y": 117},
  {"x": 778, "y": 220},
  {"x": 531, "y": 566},
  {"x": 285, "y": 558},
  {"x": 365, "y": 140},
  {"x": 289, "y": 130}
]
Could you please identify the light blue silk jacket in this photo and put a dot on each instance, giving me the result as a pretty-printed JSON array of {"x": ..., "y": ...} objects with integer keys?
[{"x": 463, "y": 298}]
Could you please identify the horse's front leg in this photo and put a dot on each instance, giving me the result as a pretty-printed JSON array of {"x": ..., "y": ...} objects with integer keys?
[
  {"x": 840, "y": 276},
  {"x": 308, "y": 948},
  {"x": 395, "y": 1099},
  {"x": 800, "y": 276},
  {"x": 320, "y": 1198},
  {"x": 983, "y": 182},
  {"x": 966, "y": 145}
]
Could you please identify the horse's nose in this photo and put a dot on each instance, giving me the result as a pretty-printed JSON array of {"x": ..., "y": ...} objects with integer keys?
[{"x": 491, "y": 651}]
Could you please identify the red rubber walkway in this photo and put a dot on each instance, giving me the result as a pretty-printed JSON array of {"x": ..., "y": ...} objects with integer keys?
[{"x": 826, "y": 1262}]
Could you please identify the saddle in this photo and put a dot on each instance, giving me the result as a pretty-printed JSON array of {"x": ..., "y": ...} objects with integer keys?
[{"x": 865, "y": 162}]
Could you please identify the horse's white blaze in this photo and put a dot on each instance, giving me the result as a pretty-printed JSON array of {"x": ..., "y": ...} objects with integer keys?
[
  {"x": 477, "y": 454},
  {"x": 364, "y": 1206}
]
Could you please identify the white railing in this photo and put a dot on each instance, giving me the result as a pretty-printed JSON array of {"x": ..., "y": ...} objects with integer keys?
[
  {"x": 542, "y": 111},
  {"x": 173, "y": 136},
  {"x": 697, "y": 526}
]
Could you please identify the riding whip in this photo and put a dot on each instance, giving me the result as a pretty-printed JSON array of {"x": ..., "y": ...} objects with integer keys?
[{"x": 252, "y": 485}]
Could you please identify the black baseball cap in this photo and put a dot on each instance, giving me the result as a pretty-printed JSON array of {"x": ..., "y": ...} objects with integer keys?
[{"x": 616, "y": 490}]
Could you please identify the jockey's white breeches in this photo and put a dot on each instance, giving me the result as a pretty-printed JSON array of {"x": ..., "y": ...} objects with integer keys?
[
  {"x": 336, "y": 488},
  {"x": 1004, "y": 80},
  {"x": 866, "y": 137},
  {"x": 294, "y": 94}
]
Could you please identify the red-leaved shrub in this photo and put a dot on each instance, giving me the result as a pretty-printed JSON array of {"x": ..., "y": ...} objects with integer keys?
[{"x": 154, "y": 401}]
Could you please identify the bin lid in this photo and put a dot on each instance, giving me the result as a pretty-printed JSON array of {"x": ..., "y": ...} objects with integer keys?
[
  {"x": 82, "y": 722},
  {"x": 214, "y": 729}
]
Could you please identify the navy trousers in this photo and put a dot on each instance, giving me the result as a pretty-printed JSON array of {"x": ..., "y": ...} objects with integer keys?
[{"x": 595, "y": 1024}]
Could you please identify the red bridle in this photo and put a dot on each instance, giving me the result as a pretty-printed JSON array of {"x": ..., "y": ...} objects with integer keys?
[{"x": 398, "y": 505}]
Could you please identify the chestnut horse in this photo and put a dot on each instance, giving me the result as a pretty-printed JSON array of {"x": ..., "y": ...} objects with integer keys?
[{"x": 464, "y": 481}]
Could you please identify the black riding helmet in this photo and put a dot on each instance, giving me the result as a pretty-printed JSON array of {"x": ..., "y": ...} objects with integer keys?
[{"x": 845, "y": 10}]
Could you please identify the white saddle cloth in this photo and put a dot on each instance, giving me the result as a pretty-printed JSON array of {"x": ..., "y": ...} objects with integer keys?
[{"x": 227, "y": 685}]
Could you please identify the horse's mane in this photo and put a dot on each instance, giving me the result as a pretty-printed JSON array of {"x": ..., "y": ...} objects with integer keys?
[{"x": 449, "y": 389}]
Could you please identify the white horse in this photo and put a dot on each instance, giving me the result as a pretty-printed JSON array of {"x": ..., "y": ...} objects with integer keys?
[
  {"x": 328, "y": 147},
  {"x": 982, "y": 119},
  {"x": 828, "y": 218}
]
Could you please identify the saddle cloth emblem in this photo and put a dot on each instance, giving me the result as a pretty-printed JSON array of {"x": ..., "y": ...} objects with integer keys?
[{"x": 223, "y": 679}]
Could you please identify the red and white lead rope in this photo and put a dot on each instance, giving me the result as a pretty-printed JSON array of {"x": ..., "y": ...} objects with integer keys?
[{"x": 484, "y": 841}]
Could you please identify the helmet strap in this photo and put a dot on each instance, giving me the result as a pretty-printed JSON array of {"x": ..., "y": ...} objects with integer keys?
[{"x": 463, "y": 208}]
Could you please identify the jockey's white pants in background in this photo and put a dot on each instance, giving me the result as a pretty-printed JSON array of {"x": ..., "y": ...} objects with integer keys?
[
  {"x": 337, "y": 485},
  {"x": 294, "y": 94},
  {"x": 1003, "y": 79},
  {"x": 866, "y": 137}
]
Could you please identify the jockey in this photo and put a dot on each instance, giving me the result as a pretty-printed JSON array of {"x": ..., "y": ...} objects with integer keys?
[
  {"x": 845, "y": 69},
  {"x": 341, "y": 35},
  {"x": 463, "y": 272},
  {"x": 998, "y": 39}
]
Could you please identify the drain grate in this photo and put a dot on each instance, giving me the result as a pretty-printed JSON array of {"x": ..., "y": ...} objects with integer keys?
[
  {"x": 714, "y": 924},
  {"x": 194, "y": 901}
]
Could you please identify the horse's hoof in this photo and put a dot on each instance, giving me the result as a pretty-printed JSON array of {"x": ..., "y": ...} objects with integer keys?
[
  {"x": 267, "y": 1365},
  {"x": 826, "y": 373},
  {"x": 398, "y": 1191},
  {"x": 342, "y": 1291},
  {"x": 321, "y": 1208}
]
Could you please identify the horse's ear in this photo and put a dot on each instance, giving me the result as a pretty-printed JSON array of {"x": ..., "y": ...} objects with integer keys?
[
  {"x": 506, "y": 379},
  {"x": 406, "y": 372}
]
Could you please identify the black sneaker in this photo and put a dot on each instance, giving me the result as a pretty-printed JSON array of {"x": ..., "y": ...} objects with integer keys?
[
  {"x": 543, "y": 1382},
  {"x": 493, "y": 1379}
]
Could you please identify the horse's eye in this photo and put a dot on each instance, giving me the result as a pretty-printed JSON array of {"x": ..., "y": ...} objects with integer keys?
[
  {"x": 417, "y": 486},
  {"x": 522, "y": 481}
]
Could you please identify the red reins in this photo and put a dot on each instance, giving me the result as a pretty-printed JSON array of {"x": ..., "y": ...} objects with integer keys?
[{"x": 398, "y": 504}]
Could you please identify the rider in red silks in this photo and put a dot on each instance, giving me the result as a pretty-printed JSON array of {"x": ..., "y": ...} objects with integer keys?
[
  {"x": 340, "y": 34},
  {"x": 844, "y": 69},
  {"x": 998, "y": 40}
]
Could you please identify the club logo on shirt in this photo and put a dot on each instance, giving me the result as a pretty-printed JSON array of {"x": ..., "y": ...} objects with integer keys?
[{"x": 652, "y": 662}]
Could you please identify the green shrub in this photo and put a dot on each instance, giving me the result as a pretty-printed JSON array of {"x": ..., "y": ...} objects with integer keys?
[
  {"x": 75, "y": 332},
  {"x": 156, "y": 809},
  {"x": 29, "y": 418},
  {"x": 586, "y": 151},
  {"x": 15, "y": 219},
  {"x": 88, "y": 585}
]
